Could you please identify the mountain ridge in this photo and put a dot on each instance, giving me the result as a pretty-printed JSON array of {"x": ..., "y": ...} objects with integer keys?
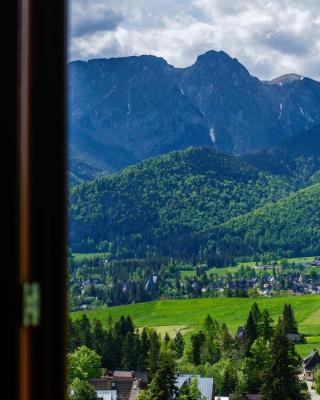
[{"x": 142, "y": 106}]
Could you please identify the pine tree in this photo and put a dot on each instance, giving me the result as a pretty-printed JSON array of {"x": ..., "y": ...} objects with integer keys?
[
  {"x": 153, "y": 353},
  {"x": 250, "y": 333},
  {"x": 179, "y": 344},
  {"x": 129, "y": 353},
  {"x": 289, "y": 321},
  {"x": 98, "y": 337},
  {"x": 111, "y": 352},
  {"x": 84, "y": 329},
  {"x": 144, "y": 349},
  {"x": 110, "y": 321},
  {"x": 163, "y": 385},
  {"x": 265, "y": 328},
  {"x": 281, "y": 380},
  {"x": 197, "y": 341},
  {"x": 74, "y": 340},
  {"x": 227, "y": 341},
  {"x": 256, "y": 313},
  {"x": 129, "y": 325}
]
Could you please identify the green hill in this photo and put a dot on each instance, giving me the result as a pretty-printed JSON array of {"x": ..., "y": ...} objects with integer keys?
[
  {"x": 163, "y": 205},
  {"x": 188, "y": 315},
  {"x": 289, "y": 227}
]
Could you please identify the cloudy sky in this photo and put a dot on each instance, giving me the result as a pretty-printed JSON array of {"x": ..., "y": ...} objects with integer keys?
[{"x": 270, "y": 37}]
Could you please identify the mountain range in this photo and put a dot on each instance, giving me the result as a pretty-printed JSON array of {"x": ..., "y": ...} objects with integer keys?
[
  {"x": 205, "y": 162},
  {"x": 124, "y": 110}
]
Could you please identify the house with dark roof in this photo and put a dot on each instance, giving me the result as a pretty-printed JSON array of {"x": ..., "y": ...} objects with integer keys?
[
  {"x": 119, "y": 385},
  {"x": 310, "y": 364},
  {"x": 296, "y": 338},
  {"x": 151, "y": 284}
]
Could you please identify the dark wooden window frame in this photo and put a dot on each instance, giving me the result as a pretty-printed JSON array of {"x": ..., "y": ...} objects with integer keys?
[{"x": 36, "y": 199}]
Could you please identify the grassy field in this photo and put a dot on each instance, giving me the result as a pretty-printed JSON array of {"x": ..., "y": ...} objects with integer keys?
[
  {"x": 188, "y": 315},
  {"x": 81, "y": 256}
]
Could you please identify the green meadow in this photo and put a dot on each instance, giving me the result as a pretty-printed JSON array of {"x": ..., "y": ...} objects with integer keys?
[
  {"x": 83, "y": 256},
  {"x": 188, "y": 315}
]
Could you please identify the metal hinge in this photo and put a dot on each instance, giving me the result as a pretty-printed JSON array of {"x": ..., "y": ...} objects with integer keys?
[{"x": 31, "y": 297}]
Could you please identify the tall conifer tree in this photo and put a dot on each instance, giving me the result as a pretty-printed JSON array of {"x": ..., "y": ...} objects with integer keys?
[
  {"x": 163, "y": 385},
  {"x": 289, "y": 321},
  {"x": 281, "y": 380}
]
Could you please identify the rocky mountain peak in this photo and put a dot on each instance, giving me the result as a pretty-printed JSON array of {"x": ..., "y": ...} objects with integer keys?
[
  {"x": 123, "y": 110},
  {"x": 286, "y": 79}
]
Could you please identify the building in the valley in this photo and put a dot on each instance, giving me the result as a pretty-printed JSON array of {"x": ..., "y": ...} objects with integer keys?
[
  {"x": 296, "y": 337},
  {"x": 310, "y": 364},
  {"x": 119, "y": 385},
  {"x": 240, "y": 332},
  {"x": 205, "y": 385}
]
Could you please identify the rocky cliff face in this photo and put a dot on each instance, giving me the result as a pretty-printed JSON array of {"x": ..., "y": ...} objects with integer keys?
[{"x": 123, "y": 110}]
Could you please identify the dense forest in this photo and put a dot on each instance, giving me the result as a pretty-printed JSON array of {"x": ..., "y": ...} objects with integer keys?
[
  {"x": 201, "y": 204},
  {"x": 288, "y": 228},
  {"x": 168, "y": 204}
]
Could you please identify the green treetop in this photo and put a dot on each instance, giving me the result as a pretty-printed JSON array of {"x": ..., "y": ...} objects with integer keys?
[
  {"x": 190, "y": 391},
  {"x": 81, "y": 390},
  {"x": 84, "y": 364},
  {"x": 163, "y": 385}
]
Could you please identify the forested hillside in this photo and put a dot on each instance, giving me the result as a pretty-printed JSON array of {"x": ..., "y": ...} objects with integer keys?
[
  {"x": 167, "y": 204},
  {"x": 289, "y": 227}
]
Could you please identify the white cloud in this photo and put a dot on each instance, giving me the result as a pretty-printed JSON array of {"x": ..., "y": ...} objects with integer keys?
[{"x": 270, "y": 37}]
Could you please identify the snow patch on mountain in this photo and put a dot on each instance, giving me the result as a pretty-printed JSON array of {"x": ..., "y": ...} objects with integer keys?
[{"x": 212, "y": 135}]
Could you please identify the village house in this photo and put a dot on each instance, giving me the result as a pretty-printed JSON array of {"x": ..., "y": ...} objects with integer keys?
[
  {"x": 296, "y": 337},
  {"x": 119, "y": 385},
  {"x": 310, "y": 364}
]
